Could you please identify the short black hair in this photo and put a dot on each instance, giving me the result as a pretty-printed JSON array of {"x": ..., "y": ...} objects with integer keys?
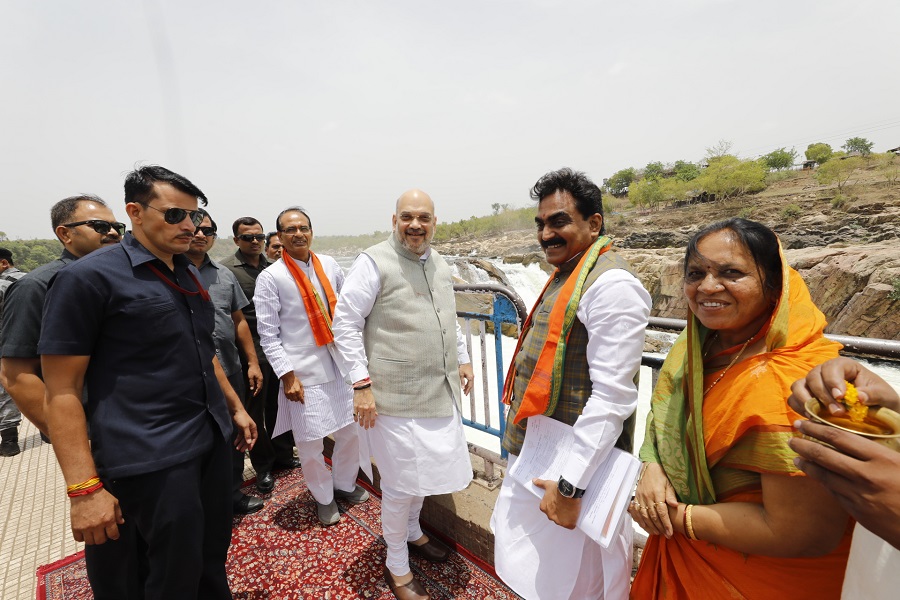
[
  {"x": 212, "y": 222},
  {"x": 6, "y": 255},
  {"x": 298, "y": 209},
  {"x": 269, "y": 237},
  {"x": 248, "y": 221},
  {"x": 139, "y": 184},
  {"x": 586, "y": 193},
  {"x": 63, "y": 211},
  {"x": 759, "y": 240}
]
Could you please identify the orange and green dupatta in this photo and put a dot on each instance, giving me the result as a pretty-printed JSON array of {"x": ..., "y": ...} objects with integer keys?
[
  {"x": 542, "y": 392},
  {"x": 319, "y": 315},
  {"x": 676, "y": 437}
]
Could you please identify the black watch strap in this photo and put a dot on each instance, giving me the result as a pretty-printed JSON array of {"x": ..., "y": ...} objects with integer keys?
[{"x": 568, "y": 490}]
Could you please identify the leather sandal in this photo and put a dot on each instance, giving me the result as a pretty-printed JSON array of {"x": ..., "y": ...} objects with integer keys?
[{"x": 413, "y": 590}]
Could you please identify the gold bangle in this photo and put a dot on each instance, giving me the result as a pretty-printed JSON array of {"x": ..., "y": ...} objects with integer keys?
[
  {"x": 689, "y": 525},
  {"x": 641, "y": 474}
]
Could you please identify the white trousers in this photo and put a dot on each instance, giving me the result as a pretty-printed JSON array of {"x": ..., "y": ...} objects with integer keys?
[
  {"x": 344, "y": 464},
  {"x": 400, "y": 524},
  {"x": 540, "y": 560}
]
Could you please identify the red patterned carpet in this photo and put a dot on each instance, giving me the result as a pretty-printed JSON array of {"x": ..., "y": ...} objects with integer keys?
[{"x": 281, "y": 552}]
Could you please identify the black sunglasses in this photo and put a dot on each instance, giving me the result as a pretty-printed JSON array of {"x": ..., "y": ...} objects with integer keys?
[
  {"x": 173, "y": 216},
  {"x": 207, "y": 231},
  {"x": 100, "y": 226},
  {"x": 249, "y": 237}
]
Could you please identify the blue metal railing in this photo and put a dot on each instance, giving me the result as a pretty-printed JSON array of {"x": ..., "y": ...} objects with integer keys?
[{"x": 504, "y": 308}]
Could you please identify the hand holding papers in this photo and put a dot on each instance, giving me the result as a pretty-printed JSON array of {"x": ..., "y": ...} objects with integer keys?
[{"x": 546, "y": 450}]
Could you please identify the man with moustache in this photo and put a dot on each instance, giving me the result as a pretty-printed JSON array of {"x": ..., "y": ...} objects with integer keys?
[
  {"x": 270, "y": 452},
  {"x": 402, "y": 348},
  {"x": 295, "y": 300},
  {"x": 273, "y": 246},
  {"x": 134, "y": 325},
  {"x": 82, "y": 224},
  {"x": 537, "y": 551},
  {"x": 230, "y": 329}
]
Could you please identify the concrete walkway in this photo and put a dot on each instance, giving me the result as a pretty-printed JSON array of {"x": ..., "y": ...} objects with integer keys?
[{"x": 34, "y": 515}]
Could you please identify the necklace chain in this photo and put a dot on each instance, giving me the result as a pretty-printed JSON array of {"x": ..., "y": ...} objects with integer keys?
[{"x": 731, "y": 364}]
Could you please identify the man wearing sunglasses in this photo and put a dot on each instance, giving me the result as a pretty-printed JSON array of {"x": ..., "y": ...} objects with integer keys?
[
  {"x": 134, "y": 325},
  {"x": 261, "y": 401},
  {"x": 82, "y": 224},
  {"x": 230, "y": 330}
]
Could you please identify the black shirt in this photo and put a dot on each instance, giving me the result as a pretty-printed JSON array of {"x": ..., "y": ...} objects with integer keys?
[
  {"x": 152, "y": 390},
  {"x": 22, "y": 307}
]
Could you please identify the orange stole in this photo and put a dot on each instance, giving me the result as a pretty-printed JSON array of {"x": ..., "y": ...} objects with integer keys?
[
  {"x": 746, "y": 425},
  {"x": 319, "y": 317},
  {"x": 540, "y": 394}
]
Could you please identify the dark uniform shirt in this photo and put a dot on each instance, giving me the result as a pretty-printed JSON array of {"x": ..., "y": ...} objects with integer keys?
[
  {"x": 154, "y": 400},
  {"x": 22, "y": 307},
  {"x": 227, "y": 297},
  {"x": 246, "y": 275}
]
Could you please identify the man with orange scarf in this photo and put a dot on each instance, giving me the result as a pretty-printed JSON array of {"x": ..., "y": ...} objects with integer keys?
[
  {"x": 295, "y": 299},
  {"x": 576, "y": 362}
]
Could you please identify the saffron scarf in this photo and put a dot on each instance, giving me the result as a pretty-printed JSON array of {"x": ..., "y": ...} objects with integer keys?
[
  {"x": 319, "y": 314},
  {"x": 542, "y": 393}
]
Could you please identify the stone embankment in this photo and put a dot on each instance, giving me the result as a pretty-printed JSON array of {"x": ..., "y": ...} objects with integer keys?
[{"x": 856, "y": 286}]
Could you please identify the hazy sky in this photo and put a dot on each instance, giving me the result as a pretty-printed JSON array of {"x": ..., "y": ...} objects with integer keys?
[{"x": 341, "y": 106}]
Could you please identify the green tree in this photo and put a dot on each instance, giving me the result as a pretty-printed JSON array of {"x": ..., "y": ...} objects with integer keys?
[
  {"x": 819, "y": 152},
  {"x": 654, "y": 170},
  {"x": 778, "y": 160},
  {"x": 858, "y": 144},
  {"x": 673, "y": 190},
  {"x": 645, "y": 193},
  {"x": 728, "y": 176},
  {"x": 838, "y": 171},
  {"x": 618, "y": 183},
  {"x": 686, "y": 171},
  {"x": 30, "y": 254}
]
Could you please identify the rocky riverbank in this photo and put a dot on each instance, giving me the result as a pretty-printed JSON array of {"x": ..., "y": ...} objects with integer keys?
[{"x": 845, "y": 249}]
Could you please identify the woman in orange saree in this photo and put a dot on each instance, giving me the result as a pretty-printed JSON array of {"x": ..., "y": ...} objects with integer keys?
[{"x": 729, "y": 513}]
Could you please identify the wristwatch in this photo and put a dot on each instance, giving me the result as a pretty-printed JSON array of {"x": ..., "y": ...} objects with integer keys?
[{"x": 568, "y": 490}]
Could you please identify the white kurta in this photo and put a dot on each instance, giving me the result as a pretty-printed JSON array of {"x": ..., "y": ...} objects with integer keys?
[
  {"x": 873, "y": 570},
  {"x": 416, "y": 456},
  {"x": 328, "y": 404},
  {"x": 534, "y": 556}
]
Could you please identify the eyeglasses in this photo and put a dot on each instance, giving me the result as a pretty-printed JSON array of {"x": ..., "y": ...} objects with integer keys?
[
  {"x": 249, "y": 237},
  {"x": 207, "y": 231},
  {"x": 100, "y": 226},
  {"x": 174, "y": 216},
  {"x": 293, "y": 230}
]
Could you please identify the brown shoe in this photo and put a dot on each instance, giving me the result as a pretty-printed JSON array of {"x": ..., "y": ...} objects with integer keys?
[
  {"x": 432, "y": 550},
  {"x": 411, "y": 591}
]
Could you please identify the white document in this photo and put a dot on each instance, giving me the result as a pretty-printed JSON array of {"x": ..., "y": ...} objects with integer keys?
[{"x": 546, "y": 450}]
